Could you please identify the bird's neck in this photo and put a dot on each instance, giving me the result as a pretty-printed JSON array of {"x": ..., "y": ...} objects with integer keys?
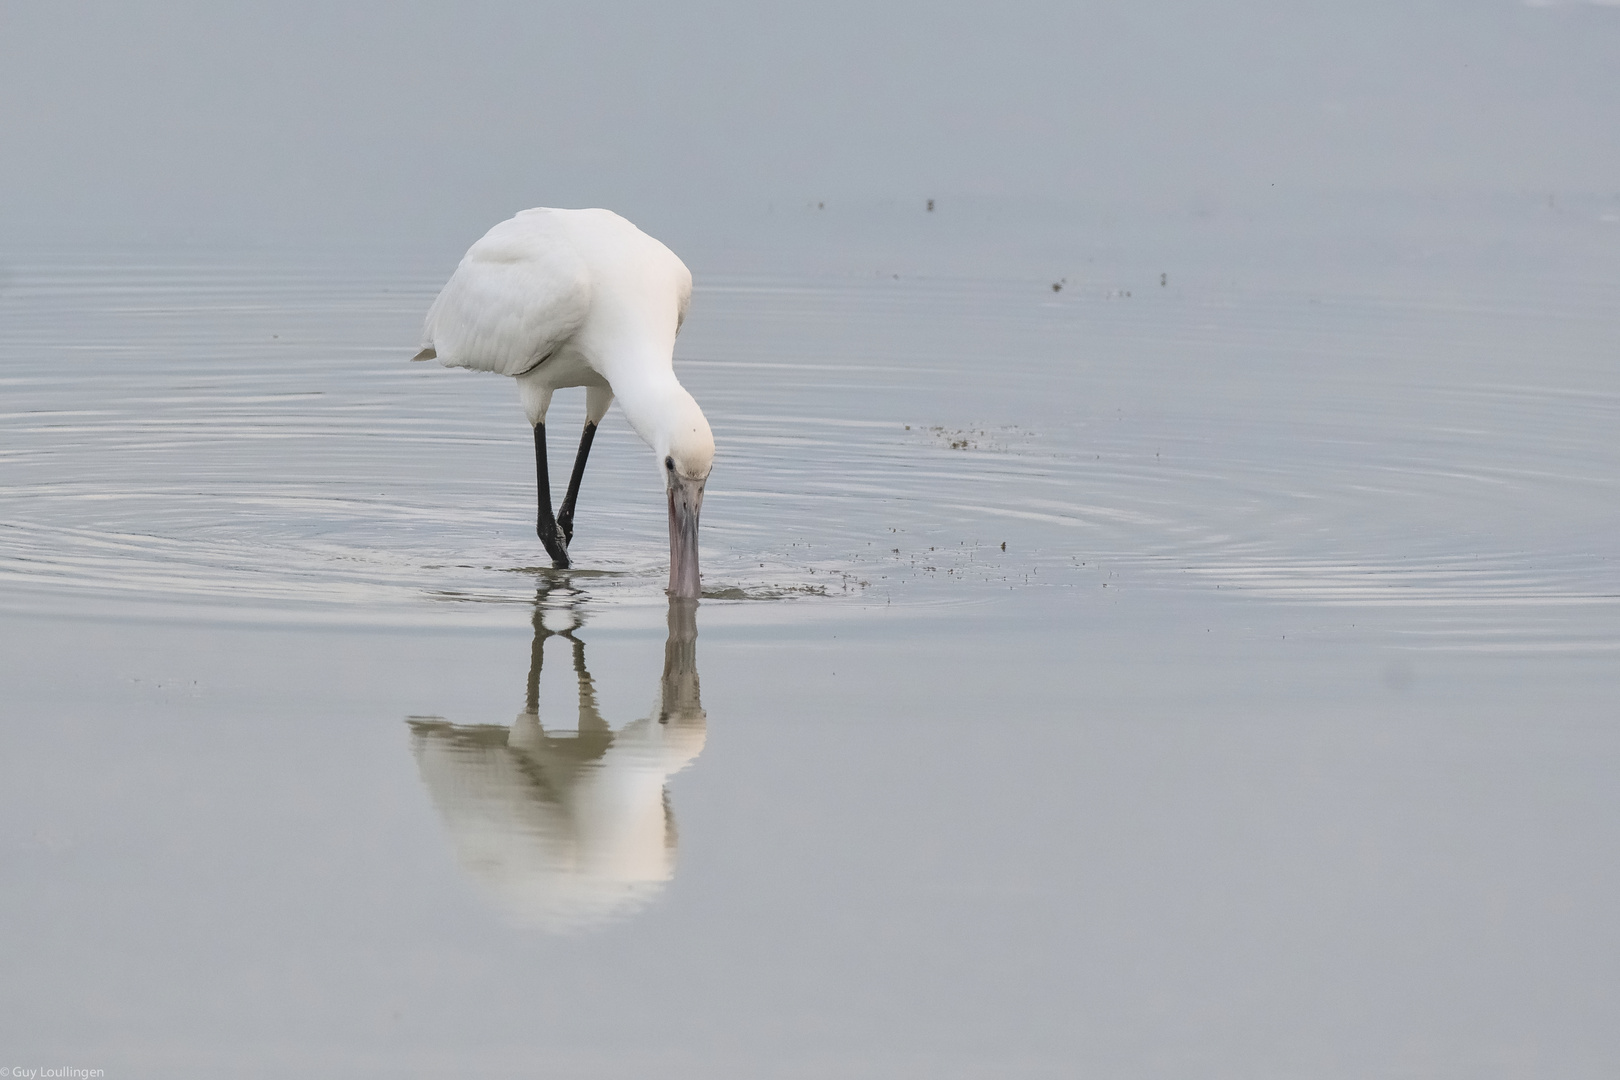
[{"x": 655, "y": 407}]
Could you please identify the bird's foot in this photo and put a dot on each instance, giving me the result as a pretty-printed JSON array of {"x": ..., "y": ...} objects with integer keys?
[{"x": 556, "y": 543}]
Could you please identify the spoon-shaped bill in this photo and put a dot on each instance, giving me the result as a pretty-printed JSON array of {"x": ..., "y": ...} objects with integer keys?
[{"x": 685, "y": 502}]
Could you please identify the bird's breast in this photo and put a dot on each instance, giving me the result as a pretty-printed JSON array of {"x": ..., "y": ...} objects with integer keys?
[{"x": 568, "y": 366}]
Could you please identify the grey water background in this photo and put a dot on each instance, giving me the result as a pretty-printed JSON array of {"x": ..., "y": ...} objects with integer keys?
[{"x": 1204, "y": 668}]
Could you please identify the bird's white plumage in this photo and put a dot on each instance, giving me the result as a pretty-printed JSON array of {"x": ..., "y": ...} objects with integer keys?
[
  {"x": 546, "y": 282},
  {"x": 558, "y": 298},
  {"x": 517, "y": 296},
  {"x": 576, "y": 298}
]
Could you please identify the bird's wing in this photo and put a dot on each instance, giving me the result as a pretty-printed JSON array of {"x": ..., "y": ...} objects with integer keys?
[{"x": 518, "y": 295}]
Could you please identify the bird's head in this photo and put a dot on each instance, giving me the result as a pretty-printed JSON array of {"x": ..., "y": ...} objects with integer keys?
[{"x": 685, "y": 455}]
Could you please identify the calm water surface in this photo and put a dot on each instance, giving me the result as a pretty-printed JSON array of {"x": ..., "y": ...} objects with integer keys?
[{"x": 1213, "y": 678}]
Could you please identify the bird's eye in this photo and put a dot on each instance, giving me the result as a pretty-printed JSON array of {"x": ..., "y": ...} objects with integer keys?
[{"x": 669, "y": 463}]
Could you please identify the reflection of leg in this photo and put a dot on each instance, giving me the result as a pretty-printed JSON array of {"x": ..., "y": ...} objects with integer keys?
[
  {"x": 545, "y": 525},
  {"x": 537, "y": 654},
  {"x": 558, "y": 748},
  {"x": 590, "y": 717}
]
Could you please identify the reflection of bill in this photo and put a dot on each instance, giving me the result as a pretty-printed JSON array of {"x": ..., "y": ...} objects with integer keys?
[{"x": 563, "y": 829}]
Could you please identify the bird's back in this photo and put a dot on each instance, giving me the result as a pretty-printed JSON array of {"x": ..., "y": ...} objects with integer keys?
[{"x": 546, "y": 278}]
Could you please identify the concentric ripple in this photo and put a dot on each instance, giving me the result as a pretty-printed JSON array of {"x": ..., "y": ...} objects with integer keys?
[{"x": 235, "y": 440}]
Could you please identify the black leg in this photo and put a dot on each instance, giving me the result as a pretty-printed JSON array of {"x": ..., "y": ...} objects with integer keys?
[
  {"x": 545, "y": 525},
  {"x": 565, "y": 516}
]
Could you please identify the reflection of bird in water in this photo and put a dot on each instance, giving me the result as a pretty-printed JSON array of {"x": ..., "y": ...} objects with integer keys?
[{"x": 565, "y": 829}]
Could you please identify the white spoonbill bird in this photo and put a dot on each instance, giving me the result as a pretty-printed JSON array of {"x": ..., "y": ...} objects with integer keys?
[{"x": 559, "y": 298}]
